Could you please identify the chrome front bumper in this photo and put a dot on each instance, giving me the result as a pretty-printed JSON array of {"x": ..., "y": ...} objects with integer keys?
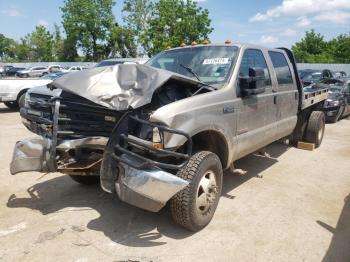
[
  {"x": 32, "y": 154},
  {"x": 149, "y": 188}
]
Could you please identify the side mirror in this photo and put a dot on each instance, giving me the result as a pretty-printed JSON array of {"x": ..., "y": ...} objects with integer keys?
[{"x": 254, "y": 84}]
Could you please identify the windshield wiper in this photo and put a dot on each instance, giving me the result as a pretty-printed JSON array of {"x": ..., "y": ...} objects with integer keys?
[{"x": 189, "y": 69}]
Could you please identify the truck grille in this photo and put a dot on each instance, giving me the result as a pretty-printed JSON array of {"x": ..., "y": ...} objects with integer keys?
[{"x": 78, "y": 117}]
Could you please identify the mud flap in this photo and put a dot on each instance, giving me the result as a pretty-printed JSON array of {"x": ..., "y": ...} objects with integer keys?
[{"x": 32, "y": 154}]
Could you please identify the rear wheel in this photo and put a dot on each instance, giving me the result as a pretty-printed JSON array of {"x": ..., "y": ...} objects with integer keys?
[
  {"x": 194, "y": 207},
  {"x": 315, "y": 128},
  {"x": 86, "y": 180}
]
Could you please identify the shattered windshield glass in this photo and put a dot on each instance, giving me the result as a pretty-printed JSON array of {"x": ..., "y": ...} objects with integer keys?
[{"x": 211, "y": 64}]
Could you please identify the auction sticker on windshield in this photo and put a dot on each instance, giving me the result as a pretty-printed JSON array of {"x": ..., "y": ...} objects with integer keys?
[{"x": 216, "y": 61}]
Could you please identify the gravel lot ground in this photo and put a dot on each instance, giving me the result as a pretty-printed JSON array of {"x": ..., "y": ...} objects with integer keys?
[{"x": 298, "y": 211}]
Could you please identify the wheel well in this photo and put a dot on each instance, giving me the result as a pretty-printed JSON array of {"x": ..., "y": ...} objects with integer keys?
[
  {"x": 214, "y": 142},
  {"x": 21, "y": 93}
]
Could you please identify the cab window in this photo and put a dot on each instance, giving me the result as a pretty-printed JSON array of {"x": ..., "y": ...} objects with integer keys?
[
  {"x": 281, "y": 67},
  {"x": 254, "y": 58}
]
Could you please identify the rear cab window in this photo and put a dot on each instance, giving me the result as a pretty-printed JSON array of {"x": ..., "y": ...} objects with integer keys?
[{"x": 281, "y": 67}]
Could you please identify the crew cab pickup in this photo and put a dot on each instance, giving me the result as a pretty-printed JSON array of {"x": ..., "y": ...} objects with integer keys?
[{"x": 166, "y": 130}]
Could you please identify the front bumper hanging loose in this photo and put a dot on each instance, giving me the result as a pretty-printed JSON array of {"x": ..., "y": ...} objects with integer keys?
[
  {"x": 37, "y": 153},
  {"x": 135, "y": 177},
  {"x": 139, "y": 177}
]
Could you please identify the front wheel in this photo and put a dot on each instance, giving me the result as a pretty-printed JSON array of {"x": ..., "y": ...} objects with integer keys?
[{"x": 194, "y": 207}]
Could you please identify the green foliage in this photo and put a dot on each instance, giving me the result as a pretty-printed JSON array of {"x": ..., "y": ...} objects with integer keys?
[
  {"x": 175, "y": 21},
  {"x": 36, "y": 46},
  {"x": 314, "y": 49},
  {"x": 136, "y": 16},
  {"x": 58, "y": 50},
  {"x": 7, "y": 48},
  {"x": 121, "y": 42},
  {"x": 340, "y": 49},
  {"x": 89, "y": 22}
]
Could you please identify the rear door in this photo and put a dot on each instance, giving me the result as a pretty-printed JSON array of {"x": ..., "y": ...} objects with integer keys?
[
  {"x": 286, "y": 97},
  {"x": 255, "y": 122}
]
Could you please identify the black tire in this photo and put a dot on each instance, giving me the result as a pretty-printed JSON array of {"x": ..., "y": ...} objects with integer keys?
[
  {"x": 183, "y": 206},
  {"x": 315, "y": 128},
  {"x": 86, "y": 180},
  {"x": 21, "y": 100},
  {"x": 11, "y": 105}
]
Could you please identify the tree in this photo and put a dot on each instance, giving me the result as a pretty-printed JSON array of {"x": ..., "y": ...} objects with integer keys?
[
  {"x": 36, "y": 46},
  {"x": 69, "y": 52},
  {"x": 122, "y": 42},
  {"x": 175, "y": 21},
  {"x": 137, "y": 14},
  {"x": 7, "y": 48},
  {"x": 340, "y": 48},
  {"x": 88, "y": 22},
  {"x": 312, "y": 49},
  {"x": 58, "y": 49}
]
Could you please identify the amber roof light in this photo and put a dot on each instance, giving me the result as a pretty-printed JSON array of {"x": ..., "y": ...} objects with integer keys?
[
  {"x": 228, "y": 42},
  {"x": 182, "y": 44},
  {"x": 205, "y": 42},
  {"x": 194, "y": 43}
]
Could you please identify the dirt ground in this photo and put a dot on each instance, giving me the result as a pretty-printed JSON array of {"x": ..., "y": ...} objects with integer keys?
[{"x": 298, "y": 211}]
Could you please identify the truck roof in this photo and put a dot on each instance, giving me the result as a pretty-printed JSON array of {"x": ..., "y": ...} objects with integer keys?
[{"x": 239, "y": 45}]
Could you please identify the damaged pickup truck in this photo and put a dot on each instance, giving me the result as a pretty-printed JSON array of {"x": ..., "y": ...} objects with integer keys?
[{"x": 165, "y": 131}]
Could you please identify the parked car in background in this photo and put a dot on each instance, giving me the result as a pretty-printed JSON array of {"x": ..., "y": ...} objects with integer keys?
[
  {"x": 340, "y": 74},
  {"x": 7, "y": 68},
  {"x": 73, "y": 69},
  {"x": 12, "y": 91},
  {"x": 119, "y": 61},
  {"x": 310, "y": 76},
  {"x": 53, "y": 69},
  {"x": 35, "y": 71},
  {"x": 38, "y": 71},
  {"x": 14, "y": 70},
  {"x": 337, "y": 104},
  {"x": 4, "y": 69}
]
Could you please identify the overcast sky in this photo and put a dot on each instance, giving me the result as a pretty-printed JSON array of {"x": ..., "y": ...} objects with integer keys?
[{"x": 268, "y": 22}]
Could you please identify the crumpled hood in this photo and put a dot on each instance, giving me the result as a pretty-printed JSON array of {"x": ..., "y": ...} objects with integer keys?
[{"x": 118, "y": 87}]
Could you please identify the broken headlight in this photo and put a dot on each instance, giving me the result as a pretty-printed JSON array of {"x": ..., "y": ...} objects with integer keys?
[{"x": 157, "y": 139}]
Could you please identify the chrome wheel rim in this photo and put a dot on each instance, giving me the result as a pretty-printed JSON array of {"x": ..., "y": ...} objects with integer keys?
[{"x": 206, "y": 192}]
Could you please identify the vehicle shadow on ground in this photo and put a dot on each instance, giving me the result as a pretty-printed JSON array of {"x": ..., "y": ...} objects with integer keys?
[
  {"x": 339, "y": 247},
  {"x": 120, "y": 222},
  {"x": 8, "y": 110},
  {"x": 252, "y": 166}
]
